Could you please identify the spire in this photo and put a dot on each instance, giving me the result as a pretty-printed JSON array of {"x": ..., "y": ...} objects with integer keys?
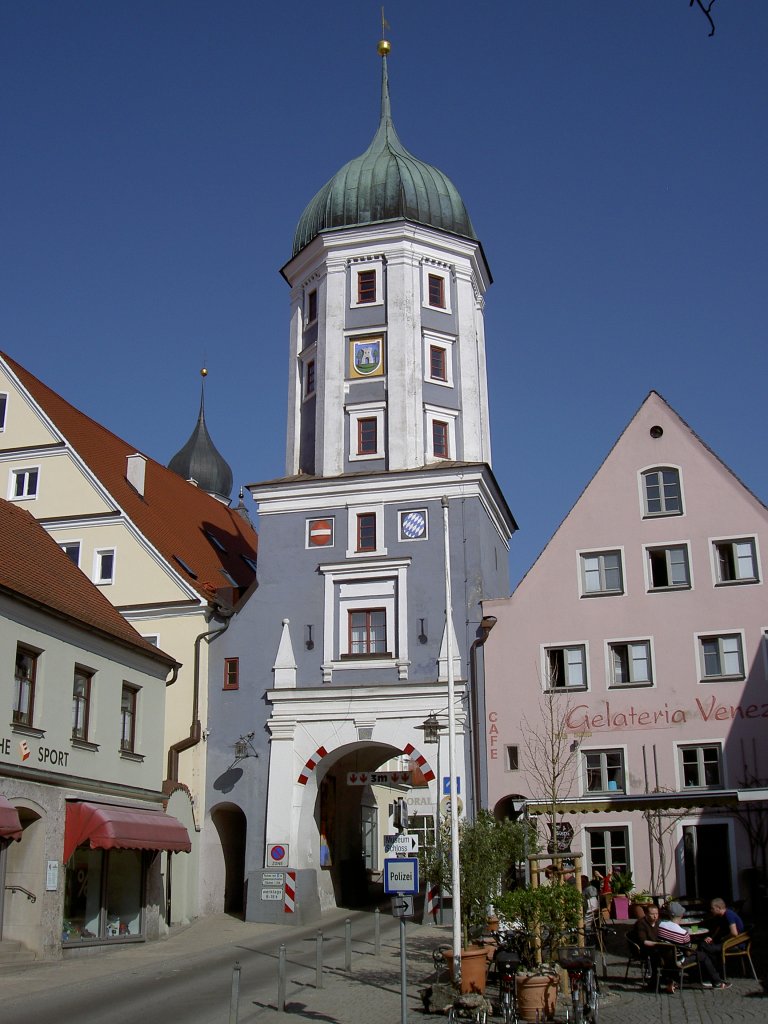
[
  {"x": 386, "y": 114},
  {"x": 200, "y": 461}
]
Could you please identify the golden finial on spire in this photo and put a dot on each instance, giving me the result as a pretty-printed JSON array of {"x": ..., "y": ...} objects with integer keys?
[
  {"x": 203, "y": 372},
  {"x": 384, "y": 46}
]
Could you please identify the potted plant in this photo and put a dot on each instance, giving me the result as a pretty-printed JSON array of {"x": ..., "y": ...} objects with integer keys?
[
  {"x": 545, "y": 913},
  {"x": 621, "y": 886},
  {"x": 638, "y": 901},
  {"x": 488, "y": 848}
]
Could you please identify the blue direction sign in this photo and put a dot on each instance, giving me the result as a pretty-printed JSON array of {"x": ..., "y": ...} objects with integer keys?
[
  {"x": 401, "y": 875},
  {"x": 447, "y": 785}
]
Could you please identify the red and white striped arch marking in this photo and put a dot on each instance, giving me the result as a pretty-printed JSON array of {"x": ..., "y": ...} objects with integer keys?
[
  {"x": 420, "y": 760},
  {"x": 311, "y": 764},
  {"x": 408, "y": 749}
]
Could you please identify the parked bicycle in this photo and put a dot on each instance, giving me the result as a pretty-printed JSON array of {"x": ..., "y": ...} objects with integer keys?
[
  {"x": 507, "y": 962},
  {"x": 579, "y": 962}
]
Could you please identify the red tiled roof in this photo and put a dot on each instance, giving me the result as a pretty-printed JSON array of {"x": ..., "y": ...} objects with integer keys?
[
  {"x": 173, "y": 514},
  {"x": 33, "y": 566}
]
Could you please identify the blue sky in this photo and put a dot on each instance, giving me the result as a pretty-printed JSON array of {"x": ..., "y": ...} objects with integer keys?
[{"x": 157, "y": 155}]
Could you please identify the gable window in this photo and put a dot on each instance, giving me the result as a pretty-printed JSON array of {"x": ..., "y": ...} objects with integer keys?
[
  {"x": 367, "y": 631},
  {"x": 366, "y": 286},
  {"x": 440, "y": 447},
  {"x": 436, "y": 290},
  {"x": 608, "y": 849},
  {"x": 72, "y": 550},
  {"x": 312, "y": 306},
  {"x": 3, "y": 410},
  {"x": 735, "y": 561},
  {"x": 661, "y": 492},
  {"x": 630, "y": 663},
  {"x": 721, "y": 657},
  {"x": 700, "y": 766},
  {"x": 566, "y": 667},
  {"x": 604, "y": 771},
  {"x": 367, "y": 436},
  {"x": 24, "y": 483},
  {"x": 668, "y": 567},
  {"x": 231, "y": 673},
  {"x": 309, "y": 378},
  {"x": 366, "y": 531},
  {"x": 128, "y": 701},
  {"x": 81, "y": 703},
  {"x": 24, "y": 676},
  {"x": 601, "y": 573},
  {"x": 105, "y": 566}
]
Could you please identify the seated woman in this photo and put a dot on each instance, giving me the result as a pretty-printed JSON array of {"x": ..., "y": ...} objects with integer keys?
[{"x": 661, "y": 955}]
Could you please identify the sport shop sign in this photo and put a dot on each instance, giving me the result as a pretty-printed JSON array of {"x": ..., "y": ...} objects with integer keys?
[{"x": 607, "y": 717}]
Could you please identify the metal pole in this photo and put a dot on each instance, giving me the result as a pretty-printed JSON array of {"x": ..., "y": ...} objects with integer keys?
[
  {"x": 234, "y": 998},
  {"x": 377, "y": 931},
  {"x": 319, "y": 960},
  {"x": 403, "y": 976},
  {"x": 452, "y": 795},
  {"x": 281, "y": 979},
  {"x": 348, "y": 945}
]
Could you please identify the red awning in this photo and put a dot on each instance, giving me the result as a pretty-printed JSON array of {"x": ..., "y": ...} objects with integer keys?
[
  {"x": 10, "y": 826},
  {"x": 114, "y": 827}
]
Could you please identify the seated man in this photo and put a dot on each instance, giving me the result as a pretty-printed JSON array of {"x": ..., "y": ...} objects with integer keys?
[
  {"x": 662, "y": 956},
  {"x": 722, "y": 924}
]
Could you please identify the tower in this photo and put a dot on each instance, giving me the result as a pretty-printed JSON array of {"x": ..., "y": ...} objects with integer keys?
[{"x": 345, "y": 639}]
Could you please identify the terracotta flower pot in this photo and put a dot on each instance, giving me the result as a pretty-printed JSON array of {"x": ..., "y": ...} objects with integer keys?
[
  {"x": 537, "y": 996},
  {"x": 474, "y": 968}
]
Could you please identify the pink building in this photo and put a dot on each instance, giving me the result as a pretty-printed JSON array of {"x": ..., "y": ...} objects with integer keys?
[{"x": 645, "y": 619}]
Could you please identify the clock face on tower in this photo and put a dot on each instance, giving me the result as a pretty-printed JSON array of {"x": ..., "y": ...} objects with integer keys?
[{"x": 413, "y": 524}]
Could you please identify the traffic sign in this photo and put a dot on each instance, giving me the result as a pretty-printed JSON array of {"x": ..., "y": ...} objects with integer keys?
[
  {"x": 402, "y": 906},
  {"x": 445, "y": 805},
  {"x": 378, "y": 778},
  {"x": 401, "y": 844},
  {"x": 447, "y": 785},
  {"x": 401, "y": 875}
]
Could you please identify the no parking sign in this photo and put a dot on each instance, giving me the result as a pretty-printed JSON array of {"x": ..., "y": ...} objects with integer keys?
[{"x": 277, "y": 855}]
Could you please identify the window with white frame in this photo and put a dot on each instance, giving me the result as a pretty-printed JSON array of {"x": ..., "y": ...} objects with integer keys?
[
  {"x": 608, "y": 849},
  {"x": 566, "y": 667},
  {"x": 104, "y": 566},
  {"x": 71, "y": 549},
  {"x": 366, "y": 431},
  {"x": 354, "y": 628},
  {"x": 365, "y": 530},
  {"x": 668, "y": 567},
  {"x": 366, "y": 283},
  {"x": 662, "y": 494},
  {"x": 735, "y": 561},
  {"x": 604, "y": 771},
  {"x": 3, "y": 409},
  {"x": 25, "y": 678},
  {"x": 721, "y": 657},
  {"x": 701, "y": 765},
  {"x": 441, "y": 433},
  {"x": 438, "y": 359},
  {"x": 369, "y": 835},
  {"x": 24, "y": 483},
  {"x": 630, "y": 663},
  {"x": 601, "y": 573},
  {"x": 436, "y": 287}
]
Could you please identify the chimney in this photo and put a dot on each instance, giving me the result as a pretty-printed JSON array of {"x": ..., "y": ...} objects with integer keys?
[{"x": 136, "y": 467}]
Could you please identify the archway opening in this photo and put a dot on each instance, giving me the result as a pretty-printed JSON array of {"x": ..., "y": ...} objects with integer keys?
[{"x": 231, "y": 825}]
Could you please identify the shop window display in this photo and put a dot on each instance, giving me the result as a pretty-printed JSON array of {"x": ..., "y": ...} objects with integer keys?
[{"x": 103, "y": 895}]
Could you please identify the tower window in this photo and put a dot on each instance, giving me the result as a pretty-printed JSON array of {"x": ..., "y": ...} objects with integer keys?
[
  {"x": 440, "y": 439},
  {"x": 312, "y": 306},
  {"x": 367, "y": 436},
  {"x": 437, "y": 291},
  {"x": 437, "y": 363},
  {"x": 366, "y": 286},
  {"x": 366, "y": 531},
  {"x": 309, "y": 378}
]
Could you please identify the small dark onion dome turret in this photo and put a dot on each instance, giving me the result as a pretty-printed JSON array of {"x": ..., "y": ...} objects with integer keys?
[
  {"x": 200, "y": 461},
  {"x": 385, "y": 183}
]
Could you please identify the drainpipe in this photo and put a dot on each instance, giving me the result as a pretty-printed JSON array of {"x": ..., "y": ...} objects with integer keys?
[
  {"x": 195, "y": 729},
  {"x": 486, "y": 625}
]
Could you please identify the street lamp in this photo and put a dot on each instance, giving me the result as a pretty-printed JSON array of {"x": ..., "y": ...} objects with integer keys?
[{"x": 431, "y": 729}]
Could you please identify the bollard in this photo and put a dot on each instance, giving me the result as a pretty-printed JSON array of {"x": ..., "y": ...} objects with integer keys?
[
  {"x": 281, "y": 979},
  {"x": 234, "y": 999},
  {"x": 348, "y": 945},
  {"x": 319, "y": 960},
  {"x": 377, "y": 932}
]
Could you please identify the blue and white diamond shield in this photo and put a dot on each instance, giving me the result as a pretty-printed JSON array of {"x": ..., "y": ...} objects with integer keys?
[{"x": 413, "y": 525}]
